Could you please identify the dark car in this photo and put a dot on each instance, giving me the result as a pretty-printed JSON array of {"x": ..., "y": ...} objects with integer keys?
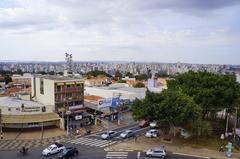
[
  {"x": 70, "y": 151},
  {"x": 143, "y": 124}
]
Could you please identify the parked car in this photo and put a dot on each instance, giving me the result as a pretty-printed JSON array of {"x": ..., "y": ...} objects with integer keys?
[
  {"x": 127, "y": 134},
  {"x": 152, "y": 133},
  {"x": 156, "y": 152},
  {"x": 153, "y": 125},
  {"x": 108, "y": 135},
  {"x": 143, "y": 124},
  {"x": 68, "y": 152},
  {"x": 53, "y": 149}
]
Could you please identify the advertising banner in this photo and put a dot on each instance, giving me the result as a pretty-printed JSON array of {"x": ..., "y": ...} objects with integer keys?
[{"x": 108, "y": 102}]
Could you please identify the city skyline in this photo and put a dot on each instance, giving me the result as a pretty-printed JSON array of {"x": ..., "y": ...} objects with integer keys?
[{"x": 201, "y": 32}]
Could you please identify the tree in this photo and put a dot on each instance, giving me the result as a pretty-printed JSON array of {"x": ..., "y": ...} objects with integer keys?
[
  {"x": 201, "y": 128},
  {"x": 141, "y": 77},
  {"x": 118, "y": 75},
  {"x": 19, "y": 71},
  {"x": 210, "y": 91},
  {"x": 7, "y": 79},
  {"x": 170, "y": 106},
  {"x": 42, "y": 72},
  {"x": 97, "y": 73},
  {"x": 177, "y": 108},
  {"x": 121, "y": 81},
  {"x": 144, "y": 109},
  {"x": 162, "y": 74},
  {"x": 51, "y": 73},
  {"x": 130, "y": 75},
  {"x": 139, "y": 85}
]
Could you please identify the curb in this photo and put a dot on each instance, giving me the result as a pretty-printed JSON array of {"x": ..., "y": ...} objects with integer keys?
[{"x": 190, "y": 155}]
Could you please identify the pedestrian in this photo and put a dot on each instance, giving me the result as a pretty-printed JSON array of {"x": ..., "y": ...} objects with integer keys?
[
  {"x": 77, "y": 131},
  {"x": 221, "y": 149},
  {"x": 135, "y": 138}
]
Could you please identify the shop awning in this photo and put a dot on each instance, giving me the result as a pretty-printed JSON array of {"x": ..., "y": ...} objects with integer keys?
[{"x": 18, "y": 119}]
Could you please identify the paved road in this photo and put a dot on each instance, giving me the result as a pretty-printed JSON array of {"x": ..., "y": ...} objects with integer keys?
[
  {"x": 92, "y": 153},
  {"x": 92, "y": 147}
]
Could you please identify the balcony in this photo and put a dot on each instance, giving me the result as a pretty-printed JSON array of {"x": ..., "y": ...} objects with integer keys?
[
  {"x": 70, "y": 99},
  {"x": 69, "y": 90}
]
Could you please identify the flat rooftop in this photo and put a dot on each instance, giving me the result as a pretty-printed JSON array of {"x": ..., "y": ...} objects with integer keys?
[
  {"x": 61, "y": 78},
  {"x": 16, "y": 102}
]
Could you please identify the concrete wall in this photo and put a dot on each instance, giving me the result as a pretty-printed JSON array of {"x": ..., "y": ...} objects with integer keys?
[
  {"x": 109, "y": 93},
  {"x": 48, "y": 98},
  {"x": 18, "y": 111}
]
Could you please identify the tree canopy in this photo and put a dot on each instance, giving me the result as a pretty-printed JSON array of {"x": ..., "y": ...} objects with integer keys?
[
  {"x": 190, "y": 99},
  {"x": 142, "y": 77},
  {"x": 170, "y": 106},
  {"x": 97, "y": 73},
  {"x": 211, "y": 91},
  {"x": 139, "y": 85}
]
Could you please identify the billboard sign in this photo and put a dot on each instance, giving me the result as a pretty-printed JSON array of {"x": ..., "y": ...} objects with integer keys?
[
  {"x": 108, "y": 102},
  {"x": 115, "y": 102}
]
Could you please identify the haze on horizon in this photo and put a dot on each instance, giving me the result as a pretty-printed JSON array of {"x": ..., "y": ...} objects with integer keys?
[{"x": 206, "y": 31}]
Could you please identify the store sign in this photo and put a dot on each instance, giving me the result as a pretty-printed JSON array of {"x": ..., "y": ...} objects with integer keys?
[
  {"x": 115, "y": 102},
  {"x": 75, "y": 107},
  {"x": 108, "y": 102},
  {"x": 31, "y": 109}
]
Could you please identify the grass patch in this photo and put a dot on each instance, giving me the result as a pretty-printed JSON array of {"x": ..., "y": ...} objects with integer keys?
[{"x": 212, "y": 143}]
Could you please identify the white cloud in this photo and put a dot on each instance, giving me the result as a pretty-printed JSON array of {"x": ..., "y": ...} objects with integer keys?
[{"x": 116, "y": 29}]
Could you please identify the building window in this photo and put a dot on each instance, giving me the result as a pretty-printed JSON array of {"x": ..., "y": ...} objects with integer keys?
[
  {"x": 58, "y": 88},
  {"x": 69, "y": 95},
  {"x": 41, "y": 86},
  {"x": 9, "y": 109}
]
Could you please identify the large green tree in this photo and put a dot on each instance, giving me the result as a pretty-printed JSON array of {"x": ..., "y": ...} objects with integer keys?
[
  {"x": 170, "y": 106},
  {"x": 139, "y": 85},
  {"x": 212, "y": 92},
  {"x": 97, "y": 73},
  {"x": 142, "y": 77}
]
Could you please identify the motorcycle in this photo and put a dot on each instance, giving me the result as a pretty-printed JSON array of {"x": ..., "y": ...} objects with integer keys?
[{"x": 23, "y": 152}]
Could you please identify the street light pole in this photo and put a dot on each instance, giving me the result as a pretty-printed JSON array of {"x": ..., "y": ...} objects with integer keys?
[
  {"x": 1, "y": 132},
  {"x": 235, "y": 126},
  {"x": 226, "y": 131},
  {"x": 68, "y": 113},
  {"x": 119, "y": 110}
]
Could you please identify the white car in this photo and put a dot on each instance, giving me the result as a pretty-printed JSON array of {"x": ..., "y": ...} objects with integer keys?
[
  {"x": 127, "y": 134},
  {"x": 152, "y": 133},
  {"x": 53, "y": 149},
  {"x": 156, "y": 152},
  {"x": 108, "y": 135},
  {"x": 153, "y": 124}
]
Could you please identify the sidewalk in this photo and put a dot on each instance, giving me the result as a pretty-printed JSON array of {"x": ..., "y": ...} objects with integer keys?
[
  {"x": 31, "y": 139},
  {"x": 143, "y": 144}
]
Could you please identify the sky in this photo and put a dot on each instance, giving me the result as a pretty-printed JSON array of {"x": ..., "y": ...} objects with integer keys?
[{"x": 192, "y": 31}]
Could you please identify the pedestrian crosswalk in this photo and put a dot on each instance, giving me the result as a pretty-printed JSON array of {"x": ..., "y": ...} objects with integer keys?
[
  {"x": 117, "y": 155},
  {"x": 92, "y": 142}
]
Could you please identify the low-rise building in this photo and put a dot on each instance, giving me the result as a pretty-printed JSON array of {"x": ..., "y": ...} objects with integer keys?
[
  {"x": 64, "y": 93},
  {"x": 18, "y": 113}
]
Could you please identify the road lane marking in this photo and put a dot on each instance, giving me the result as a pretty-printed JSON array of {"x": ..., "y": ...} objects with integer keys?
[{"x": 190, "y": 155}]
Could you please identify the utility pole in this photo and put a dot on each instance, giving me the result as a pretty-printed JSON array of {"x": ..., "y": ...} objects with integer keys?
[
  {"x": 235, "y": 126},
  {"x": 68, "y": 113},
  {"x": 119, "y": 110},
  {"x": 1, "y": 132},
  {"x": 226, "y": 131}
]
